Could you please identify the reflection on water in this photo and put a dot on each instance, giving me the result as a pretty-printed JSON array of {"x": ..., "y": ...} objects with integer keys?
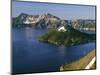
[
  {"x": 28, "y": 33},
  {"x": 62, "y": 50},
  {"x": 30, "y": 55}
]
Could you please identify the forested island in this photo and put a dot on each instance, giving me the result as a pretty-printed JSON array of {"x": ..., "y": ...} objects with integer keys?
[{"x": 68, "y": 38}]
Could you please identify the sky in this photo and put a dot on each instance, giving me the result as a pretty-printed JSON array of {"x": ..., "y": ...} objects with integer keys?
[{"x": 63, "y": 11}]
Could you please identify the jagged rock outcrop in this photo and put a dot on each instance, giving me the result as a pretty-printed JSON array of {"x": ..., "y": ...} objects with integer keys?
[{"x": 39, "y": 21}]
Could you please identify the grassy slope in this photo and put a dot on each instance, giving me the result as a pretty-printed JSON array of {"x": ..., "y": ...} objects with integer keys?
[{"x": 80, "y": 64}]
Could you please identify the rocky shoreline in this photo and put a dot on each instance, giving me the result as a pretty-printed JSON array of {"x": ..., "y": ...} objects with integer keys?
[{"x": 81, "y": 63}]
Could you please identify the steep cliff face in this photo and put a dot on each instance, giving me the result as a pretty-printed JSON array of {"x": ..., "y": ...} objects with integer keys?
[
  {"x": 50, "y": 21},
  {"x": 38, "y": 21},
  {"x": 84, "y": 24}
]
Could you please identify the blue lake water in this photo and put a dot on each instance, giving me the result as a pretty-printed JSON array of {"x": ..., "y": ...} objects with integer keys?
[{"x": 32, "y": 56}]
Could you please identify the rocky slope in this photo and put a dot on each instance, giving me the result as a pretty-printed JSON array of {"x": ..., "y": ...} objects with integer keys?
[
  {"x": 38, "y": 21},
  {"x": 80, "y": 64},
  {"x": 50, "y": 21}
]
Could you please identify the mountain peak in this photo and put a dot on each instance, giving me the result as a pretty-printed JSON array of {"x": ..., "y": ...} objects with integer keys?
[
  {"x": 51, "y": 15},
  {"x": 23, "y": 14}
]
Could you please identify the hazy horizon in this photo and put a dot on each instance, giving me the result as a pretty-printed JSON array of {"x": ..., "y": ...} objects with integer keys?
[{"x": 63, "y": 11}]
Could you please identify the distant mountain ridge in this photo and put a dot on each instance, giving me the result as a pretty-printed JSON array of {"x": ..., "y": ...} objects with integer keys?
[
  {"x": 39, "y": 21},
  {"x": 50, "y": 21}
]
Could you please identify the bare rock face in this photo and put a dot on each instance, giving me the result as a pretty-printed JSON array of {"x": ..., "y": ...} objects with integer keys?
[
  {"x": 49, "y": 21},
  {"x": 38, "y": 21}
]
